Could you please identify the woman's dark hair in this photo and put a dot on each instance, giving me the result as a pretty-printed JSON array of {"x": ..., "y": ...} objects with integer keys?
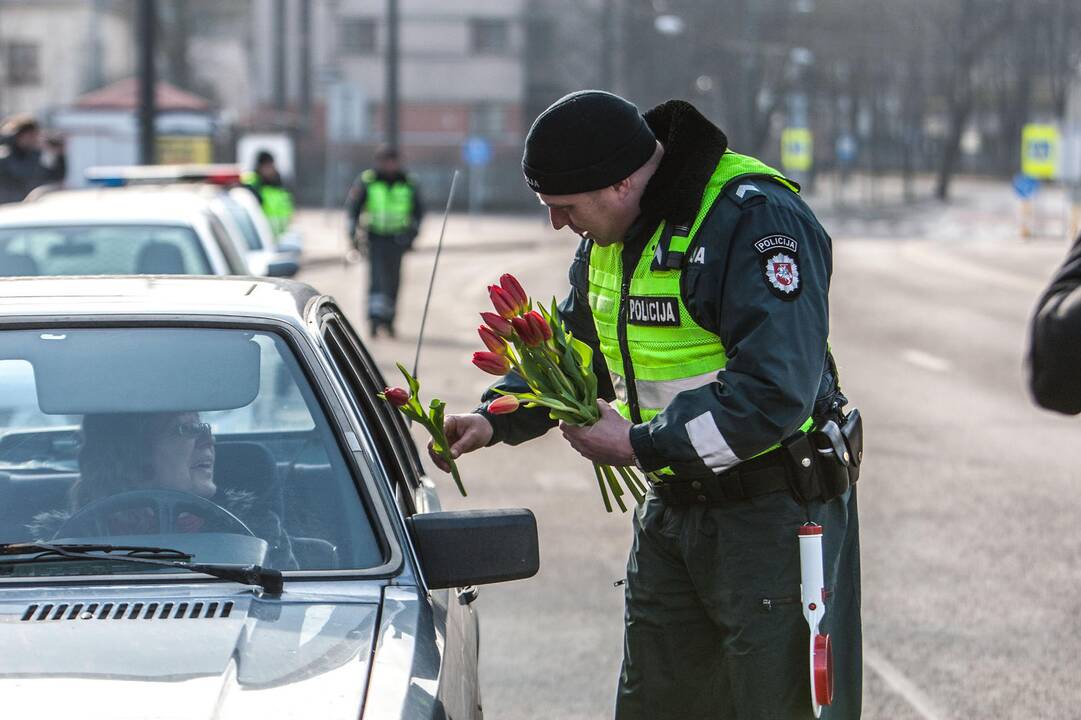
[{"x": 115, "y": 454}]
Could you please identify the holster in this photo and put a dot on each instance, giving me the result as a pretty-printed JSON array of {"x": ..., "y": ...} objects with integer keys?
[{"x": 838, "y": 446}]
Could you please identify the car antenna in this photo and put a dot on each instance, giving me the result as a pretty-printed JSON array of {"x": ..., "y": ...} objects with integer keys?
[{"x": 435, "y": 265}]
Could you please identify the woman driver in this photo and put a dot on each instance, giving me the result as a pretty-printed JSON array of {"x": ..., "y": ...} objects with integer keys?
[
  {"x": 131, "y": 451},
  {"x": 170, "y": 451}
]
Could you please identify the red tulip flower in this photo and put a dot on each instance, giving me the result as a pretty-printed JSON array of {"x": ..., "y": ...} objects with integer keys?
[
  {"x": 492, "y": 341},
  {"x": 527, "y": 332},
  {"x": 539, "y": 325},
  {"x": 499, "y": 325},
  {"x": 491, "y": 362},
  {"x": 396, "y": 396},
  {"x": 502, "y": 301},
  {"x": 503, "y": 405},
  {"x": 512, "y": 287}
]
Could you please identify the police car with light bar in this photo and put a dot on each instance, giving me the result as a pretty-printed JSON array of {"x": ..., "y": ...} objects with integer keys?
[{"x": 235, "y": 204}]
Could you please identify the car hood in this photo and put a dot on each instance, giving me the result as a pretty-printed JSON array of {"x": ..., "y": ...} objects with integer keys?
[{"x": 281, "y": 658}]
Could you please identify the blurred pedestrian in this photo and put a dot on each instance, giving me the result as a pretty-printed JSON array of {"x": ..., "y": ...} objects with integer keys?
[
  {"x": 27, "y": 158},
  {"x": 384, "y": 210},
  {"x": 1054, "y": 353},
  {"x": 266, "y": 182},
  {"x": 701, "y": 283}
]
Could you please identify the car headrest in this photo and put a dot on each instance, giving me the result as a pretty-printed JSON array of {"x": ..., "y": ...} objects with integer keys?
[
  {"x": 248, "y": 467},
  {"x": 160, "y": 258},
  {"x": 12, "y": 265}
]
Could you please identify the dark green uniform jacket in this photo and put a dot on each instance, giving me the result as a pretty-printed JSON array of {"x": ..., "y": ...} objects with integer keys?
[
  {"x": 775, "y": 337},
  {"x": 1054, "y": 356}
]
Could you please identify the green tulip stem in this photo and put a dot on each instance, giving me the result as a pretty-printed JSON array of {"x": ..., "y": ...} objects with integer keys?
[
  {"x": 613, "y": 484},
  {"x": 631, "y": 482},
  {"x": 600, "y": 484},
  {"x": 443, "y": 448}
]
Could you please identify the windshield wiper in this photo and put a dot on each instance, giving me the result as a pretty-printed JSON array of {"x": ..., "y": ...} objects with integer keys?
[
  {"x": 65, "y": 549},
  {"x": 268, "y": 579}
]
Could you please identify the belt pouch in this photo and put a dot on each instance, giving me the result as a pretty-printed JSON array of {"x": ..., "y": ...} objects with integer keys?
[
  {"x": 803, "y": 462},
  {"x": 852, "y": 429}
]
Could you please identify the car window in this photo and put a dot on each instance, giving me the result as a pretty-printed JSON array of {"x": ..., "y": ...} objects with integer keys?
[
  {"x": 243, "y": 221},
  {"x": 206, "y": 440},
  {"x": 227, "y": 245},
  {"x": 394, "y": 444},
  {"x": 247, "y": 199},
  {"x": 101, "y": 250}
]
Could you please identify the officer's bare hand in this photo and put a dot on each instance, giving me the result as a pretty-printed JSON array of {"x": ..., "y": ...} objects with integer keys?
[
  {"x": 465, "y": 433},
  {"x": 607, "y": 441}
]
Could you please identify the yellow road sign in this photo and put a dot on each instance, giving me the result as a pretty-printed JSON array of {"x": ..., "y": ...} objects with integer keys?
[
  {"x": 177, "y": 149},
  {"x": 1041, "y": 149},
  {"x": 797, "y": 149}
]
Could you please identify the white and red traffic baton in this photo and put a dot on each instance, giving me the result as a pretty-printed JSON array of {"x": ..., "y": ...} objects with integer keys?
[{"x": 813, "y": 595}]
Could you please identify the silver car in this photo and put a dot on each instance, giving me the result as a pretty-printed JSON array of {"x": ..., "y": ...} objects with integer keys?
[{"x": 206, "y": 512}]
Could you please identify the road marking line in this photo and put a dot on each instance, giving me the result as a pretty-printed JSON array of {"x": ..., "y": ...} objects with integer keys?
[
  {"x": 926, "y": 361},
  {"x": 901, "y": 685}
]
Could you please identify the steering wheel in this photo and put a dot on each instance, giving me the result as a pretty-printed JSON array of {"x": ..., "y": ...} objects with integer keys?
[{"x": 93, "y": 519}]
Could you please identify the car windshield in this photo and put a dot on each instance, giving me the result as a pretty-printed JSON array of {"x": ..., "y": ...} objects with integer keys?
[
  {"x": 205, "y": 440},
  {"x": 101, "y": 250}
]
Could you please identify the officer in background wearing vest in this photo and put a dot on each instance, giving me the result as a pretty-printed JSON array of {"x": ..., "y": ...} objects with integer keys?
[
  {"x": 266, "y": 182},
  {"x": 384, "y": 203},
  {"x": 701, "y": 282}
]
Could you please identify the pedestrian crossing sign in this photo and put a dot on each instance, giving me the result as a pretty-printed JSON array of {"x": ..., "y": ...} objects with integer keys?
[
  {"x": 1040, "y": 151},
  {"x": 797, "y": 149}
]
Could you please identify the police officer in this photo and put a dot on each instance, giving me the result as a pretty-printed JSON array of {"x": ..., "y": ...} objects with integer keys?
[
  {"x": 385, "y": 204},
  {"x": 266, "y": 182},
  {"x": 701, "y": 281}
]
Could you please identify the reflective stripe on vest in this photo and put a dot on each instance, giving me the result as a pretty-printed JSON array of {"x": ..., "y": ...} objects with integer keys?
[
  {"x": 668, "y": 351},
  {"x": 389, "y": 206}
]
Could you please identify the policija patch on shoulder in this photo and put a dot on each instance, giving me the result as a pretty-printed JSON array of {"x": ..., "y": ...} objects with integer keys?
[
  {"x": 780, "y": 265},
  {"x": 653, "y": 311}
]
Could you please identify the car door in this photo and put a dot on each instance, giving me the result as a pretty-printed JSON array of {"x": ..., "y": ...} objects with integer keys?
[{"x": 459, "y": 687}]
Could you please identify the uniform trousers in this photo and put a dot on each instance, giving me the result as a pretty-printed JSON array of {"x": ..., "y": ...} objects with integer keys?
[
  {"x": 385, "y": 254},
  {"x": 714, "y": 624}
]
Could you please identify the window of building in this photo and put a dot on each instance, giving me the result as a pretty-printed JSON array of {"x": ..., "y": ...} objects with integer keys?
[
  {"x": 489, "y": 36},
  {"x": 358, "y": 36},
  {"x": 23, "y": 63}
]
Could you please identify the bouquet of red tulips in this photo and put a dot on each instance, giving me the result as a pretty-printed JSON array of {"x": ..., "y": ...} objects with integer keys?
[
  {"x": 557, "y": 367},
  {"x": 408, "y": 403}
]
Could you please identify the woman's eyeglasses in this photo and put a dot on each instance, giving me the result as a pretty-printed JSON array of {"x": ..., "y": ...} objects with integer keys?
[{"x": 192, "y": 429}]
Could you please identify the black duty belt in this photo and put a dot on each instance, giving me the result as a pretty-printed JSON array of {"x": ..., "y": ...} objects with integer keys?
[
  {"x": 768, "y": 473},
  {"x": 802, "y": 465}
]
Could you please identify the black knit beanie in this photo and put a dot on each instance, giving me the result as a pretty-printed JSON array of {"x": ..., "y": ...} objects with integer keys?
[{"x": 585, "y": 141}]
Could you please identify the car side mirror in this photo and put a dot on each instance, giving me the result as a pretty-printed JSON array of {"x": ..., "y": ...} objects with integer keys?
[
  {"x": 282, "y": 268},
  {"x": 290, "y": 241},
  {"x": 474, "y": 547}
]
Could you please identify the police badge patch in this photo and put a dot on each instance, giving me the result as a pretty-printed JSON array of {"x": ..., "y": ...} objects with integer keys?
[
  {"x": 783, "y": 273},
  {"x": 780, "y": 265}
]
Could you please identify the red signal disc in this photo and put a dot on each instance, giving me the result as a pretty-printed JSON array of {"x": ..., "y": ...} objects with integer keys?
[{"x": 823, "y": 670}]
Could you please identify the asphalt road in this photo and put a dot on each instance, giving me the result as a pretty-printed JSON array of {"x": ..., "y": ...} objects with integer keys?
[{"x": 969, "y": 495}]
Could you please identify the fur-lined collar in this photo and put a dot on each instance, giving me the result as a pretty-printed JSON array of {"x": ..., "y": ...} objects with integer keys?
[{"x": 692, "y": 148}]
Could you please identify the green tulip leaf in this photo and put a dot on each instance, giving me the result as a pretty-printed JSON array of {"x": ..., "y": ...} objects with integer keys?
[{"x": 414, "y": 385}]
